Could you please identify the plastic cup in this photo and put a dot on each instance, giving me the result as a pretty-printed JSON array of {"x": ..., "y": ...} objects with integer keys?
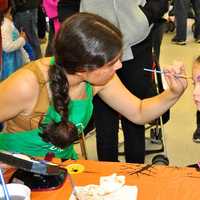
[{"x": 16, "y": 192}]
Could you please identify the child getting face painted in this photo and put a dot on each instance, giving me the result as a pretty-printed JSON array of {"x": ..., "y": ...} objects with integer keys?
[
  {"x": 196, "y": 97},
  {"x": 196, "y": 79}
]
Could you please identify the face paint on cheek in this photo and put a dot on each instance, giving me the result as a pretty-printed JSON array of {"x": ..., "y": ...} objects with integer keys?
[{"x": 198, "y": 78}]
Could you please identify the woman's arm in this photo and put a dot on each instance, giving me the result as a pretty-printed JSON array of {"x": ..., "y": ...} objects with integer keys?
[
  {"x": 141, "y": 111},
  {"x": 18, "y": 94}
]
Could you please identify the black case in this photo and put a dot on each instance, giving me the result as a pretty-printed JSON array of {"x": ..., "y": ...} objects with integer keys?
[{"x": 37, "y": 175}]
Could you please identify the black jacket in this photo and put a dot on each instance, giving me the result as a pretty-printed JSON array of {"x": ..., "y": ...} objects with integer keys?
[
  {"x": 155, "y": 9},
  {"x": 23, "y": 5},
  {"x": 67, "y": 8}
]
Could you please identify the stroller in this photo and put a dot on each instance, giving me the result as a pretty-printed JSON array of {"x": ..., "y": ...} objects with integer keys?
[{"x": 156, "y": 128}]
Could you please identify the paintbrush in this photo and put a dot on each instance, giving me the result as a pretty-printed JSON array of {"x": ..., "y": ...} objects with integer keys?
[
  {"x": 4, "y": 187},
  {"x": 74, "y": 190},
  {"x": 162, "y": 72}
]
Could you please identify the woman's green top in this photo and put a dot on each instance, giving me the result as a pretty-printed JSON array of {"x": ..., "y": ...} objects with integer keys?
[{"x": 30, "y": 143}]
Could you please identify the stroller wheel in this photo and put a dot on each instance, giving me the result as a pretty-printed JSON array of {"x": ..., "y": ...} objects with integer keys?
[
  {"x": 193, "y": 27},
  {"x": 156, "y": 136},
  {"x": 160, "y": 159}
]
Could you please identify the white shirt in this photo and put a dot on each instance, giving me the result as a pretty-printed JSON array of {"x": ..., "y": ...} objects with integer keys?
[{"x": 7, "y": 29}]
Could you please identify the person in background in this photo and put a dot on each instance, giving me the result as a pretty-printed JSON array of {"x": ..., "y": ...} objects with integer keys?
[
  {"x": 13, "y": 54},
  {"x": 25, "y": 15},
  {"x": 135, "y": 19},
  {"x": 196, "y": 96},
  {"x": 3, "y": 6},
  {"x": 54, "y": 94},
  {"x": 51, "y": 9},
  {"x": 42, "y": 24},
  {"x": 181, "y": 8}
]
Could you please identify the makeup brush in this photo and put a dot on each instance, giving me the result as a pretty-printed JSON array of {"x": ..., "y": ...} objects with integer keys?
[
  {"x": 162, "y": 72},
  {"x": 73, "y": 185},
  {"x": 4, "y": 187}
]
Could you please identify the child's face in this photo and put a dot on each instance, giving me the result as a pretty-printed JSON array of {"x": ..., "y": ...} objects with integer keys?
[{"x": 196, "y": 81}]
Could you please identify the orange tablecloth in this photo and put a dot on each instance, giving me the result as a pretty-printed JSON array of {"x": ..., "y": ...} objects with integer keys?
[{"x": 154, "y": 183}]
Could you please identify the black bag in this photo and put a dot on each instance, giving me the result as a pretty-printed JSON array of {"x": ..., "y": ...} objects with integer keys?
[{"x": 67, "y": 8}]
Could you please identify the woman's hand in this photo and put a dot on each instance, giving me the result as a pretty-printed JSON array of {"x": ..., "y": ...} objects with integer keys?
[{"x": 176, "y": 78}]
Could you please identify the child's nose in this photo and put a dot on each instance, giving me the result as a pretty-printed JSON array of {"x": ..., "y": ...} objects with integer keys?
[{"x": 196, "y": 92}]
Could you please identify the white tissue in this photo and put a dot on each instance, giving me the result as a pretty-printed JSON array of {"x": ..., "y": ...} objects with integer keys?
[
  {"x": 109, "y": 184},
  {"x": 111, "y": 187}
]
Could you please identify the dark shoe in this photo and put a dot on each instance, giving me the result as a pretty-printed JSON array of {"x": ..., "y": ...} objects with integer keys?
[
  {"x": 196, "y": 135},
  {"x": 1, "y": 127},
  {"x": 197, "y": 40},
  {"x": 177, "y": 41}
]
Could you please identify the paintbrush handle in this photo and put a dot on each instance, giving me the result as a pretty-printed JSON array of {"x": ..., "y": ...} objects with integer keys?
[
  {"x": 162, "y": 72},
  {"x": 155, "y": 71},
  {"x": 4, "y": 187},
  {"x": 182, "y": 76},
  {"x": 74, "y": 191}
]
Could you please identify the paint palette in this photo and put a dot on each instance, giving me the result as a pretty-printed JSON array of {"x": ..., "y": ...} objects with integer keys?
[{"x": 36, "y": 174}]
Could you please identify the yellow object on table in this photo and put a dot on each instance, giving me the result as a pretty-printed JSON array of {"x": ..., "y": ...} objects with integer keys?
[{"x": 75, "y": 168}]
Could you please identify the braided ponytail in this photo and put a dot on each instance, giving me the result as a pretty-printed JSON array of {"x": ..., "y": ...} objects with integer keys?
[{"x": 63, "y": 133}]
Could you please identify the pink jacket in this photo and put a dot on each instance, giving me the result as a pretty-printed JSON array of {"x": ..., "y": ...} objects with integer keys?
[
  {"x": 51, "y": 10},
  {"x": 50, "y": 7}
]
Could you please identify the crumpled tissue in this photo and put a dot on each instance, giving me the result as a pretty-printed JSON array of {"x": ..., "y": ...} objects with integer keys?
[{"x": 110, "y": 188}]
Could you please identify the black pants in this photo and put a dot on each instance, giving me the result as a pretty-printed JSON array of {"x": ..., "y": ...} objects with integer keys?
[
  {"x": 107, "y": 120},
  {"x": 198, "y": 118},
  {"x": 157, "y": 36},
  {"x": 49, "y": 48},
  {"x": 67, "y": 8},
  {"x": 42, "y": 26}
]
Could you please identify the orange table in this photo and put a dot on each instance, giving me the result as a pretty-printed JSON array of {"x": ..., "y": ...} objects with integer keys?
[{"x": 154, "y": 183}]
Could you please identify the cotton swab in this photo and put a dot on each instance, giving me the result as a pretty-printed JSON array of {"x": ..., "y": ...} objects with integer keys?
[
  {"x": 4, "y": 187},
  {"x": 162, "y": 72},
  {"x": 74, "y": 191}
]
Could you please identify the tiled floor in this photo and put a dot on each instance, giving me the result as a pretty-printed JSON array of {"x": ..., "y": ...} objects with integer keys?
[{"x": 179, "y": 147}]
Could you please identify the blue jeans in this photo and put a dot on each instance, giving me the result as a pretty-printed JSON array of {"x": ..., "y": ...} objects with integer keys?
[
  {"x": 27, "y": 21},
  {"x": 181, "y": 8}
]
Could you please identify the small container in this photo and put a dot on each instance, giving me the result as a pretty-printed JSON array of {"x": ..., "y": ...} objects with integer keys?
[{"x": 16, "y": 192}]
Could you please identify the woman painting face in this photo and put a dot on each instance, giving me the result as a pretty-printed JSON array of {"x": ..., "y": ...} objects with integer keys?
[{"x": 196, "y": 80}]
